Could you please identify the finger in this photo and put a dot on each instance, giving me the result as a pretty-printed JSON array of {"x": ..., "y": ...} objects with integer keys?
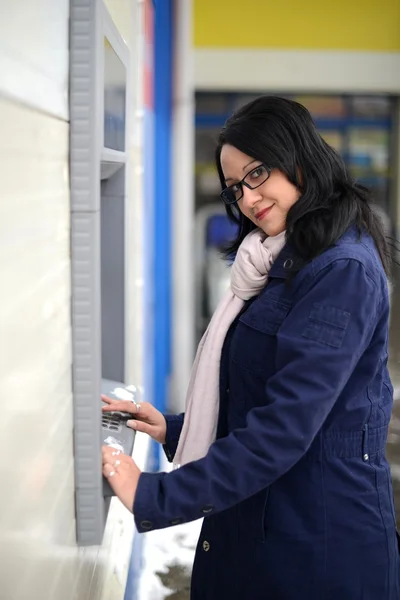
[
  {"x": 123, "y": 482},
  {"x": 122, "y": 406},
  {"x": 143, "y": 411},
  {"x": 109, "y": 400},
  {"x": 146, "y": 407},
  {"x": 112, "y": 403},
  {"x": 109, "y": 454},
  {"x": 120, "y": 461},
  {"x": 122, "y": 464},
  {"x": 140, "y": 426},
  {"x": 114, "y": 457},
  {"x": 110, "y": 472}
]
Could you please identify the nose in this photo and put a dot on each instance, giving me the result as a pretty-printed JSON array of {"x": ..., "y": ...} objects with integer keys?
[{"x": 251, "y": 197}]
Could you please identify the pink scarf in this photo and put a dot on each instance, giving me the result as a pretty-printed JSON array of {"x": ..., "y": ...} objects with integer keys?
[{"x": 249, "y": 276}]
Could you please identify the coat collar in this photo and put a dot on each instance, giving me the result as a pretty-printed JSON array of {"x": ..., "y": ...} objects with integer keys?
[
  {"x": 286, "y": 263},
  {"x": 289, "y": 260}
]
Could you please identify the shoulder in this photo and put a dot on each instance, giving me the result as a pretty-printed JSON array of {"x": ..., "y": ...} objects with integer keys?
[
  {"x": 352, "y": 268},
  {"x": 352, "y": 248},
  {"x": 353, "y": 256}
]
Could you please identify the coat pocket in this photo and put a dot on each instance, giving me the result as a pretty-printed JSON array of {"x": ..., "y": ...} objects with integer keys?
[
  {"x": 327, "y": 325},
  {"x": 254, "y": 341},
  {"x": 252, "y": 514},
  {"x": 266, "y": 314}
]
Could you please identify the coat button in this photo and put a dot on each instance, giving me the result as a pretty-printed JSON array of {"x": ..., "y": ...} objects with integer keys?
[
  {"x": 207, "y": 509},
  {"x": 175, "y": 522},
  {"x": 146, "y": 525},
  {"x": 365, "y": 457},
  {"x": 206, "y": 546},
  {"x": 288, "y": 264}
]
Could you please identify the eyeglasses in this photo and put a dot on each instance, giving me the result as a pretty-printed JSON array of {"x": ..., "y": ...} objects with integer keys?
[{"x": 252, "y": 180}]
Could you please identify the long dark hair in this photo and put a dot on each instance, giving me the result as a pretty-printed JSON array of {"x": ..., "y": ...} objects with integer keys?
[{"x": 281, "y": 134}]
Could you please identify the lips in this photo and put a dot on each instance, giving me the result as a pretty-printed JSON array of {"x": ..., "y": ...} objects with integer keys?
[{"x": 260, "y": 215}]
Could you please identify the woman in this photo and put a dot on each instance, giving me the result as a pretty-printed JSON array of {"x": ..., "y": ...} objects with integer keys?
[{"x": 286, "y": 458}]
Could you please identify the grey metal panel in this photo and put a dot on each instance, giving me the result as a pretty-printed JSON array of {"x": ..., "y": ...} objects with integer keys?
[
  {"x": 85, "y": 27},
  {"x": 86, "y": 375},
  {"x": 89, "y": 20},
  {"x": 113, "y": 275},
  {"x": 86, "y": 102}
]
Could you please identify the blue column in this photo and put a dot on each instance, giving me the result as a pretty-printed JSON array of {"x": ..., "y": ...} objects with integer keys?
[{"x": 163, "y": 76}]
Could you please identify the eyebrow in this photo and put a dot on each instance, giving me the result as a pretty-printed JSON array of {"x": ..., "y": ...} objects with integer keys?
[{"x": 245, "y": 167}]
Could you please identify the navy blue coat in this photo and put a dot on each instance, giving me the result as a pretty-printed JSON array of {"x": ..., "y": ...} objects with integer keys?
[{"x": 296, "y": 492}]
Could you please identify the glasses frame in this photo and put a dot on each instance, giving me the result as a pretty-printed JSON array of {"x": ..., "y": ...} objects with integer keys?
[{"x": 242, "y": 183}]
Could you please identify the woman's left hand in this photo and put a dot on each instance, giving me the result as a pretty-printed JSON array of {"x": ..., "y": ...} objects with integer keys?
[{"x": 122, "y": 474}]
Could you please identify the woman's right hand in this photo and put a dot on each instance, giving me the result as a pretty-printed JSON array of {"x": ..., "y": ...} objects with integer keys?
[{"x": 147, "y": 419}]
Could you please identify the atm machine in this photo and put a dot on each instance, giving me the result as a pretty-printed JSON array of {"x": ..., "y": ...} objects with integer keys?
[
  {"x": 114, "y": 430},
  {"x": 101, "y": 94}
]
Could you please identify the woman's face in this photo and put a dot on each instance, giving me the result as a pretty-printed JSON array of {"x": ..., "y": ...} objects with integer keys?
[{"x": 266, "y": 205}]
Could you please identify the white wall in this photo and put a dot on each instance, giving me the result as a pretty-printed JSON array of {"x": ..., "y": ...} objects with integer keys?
[
  {"x": 34, "y": 53},
  {"x": 37, "y": 504},
  {"x": 38, "y": 554},
  {"x": 325, "y": 71}
]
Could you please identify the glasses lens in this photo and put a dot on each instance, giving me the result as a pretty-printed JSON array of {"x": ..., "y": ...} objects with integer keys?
[
  {"x": 257, "y": 177},
  {"x": 231, "y": 194}
]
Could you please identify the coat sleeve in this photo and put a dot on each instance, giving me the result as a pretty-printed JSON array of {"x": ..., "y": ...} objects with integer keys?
[
  {"x": 318, "y": 346},
  {"x": 174, "y": 428}
]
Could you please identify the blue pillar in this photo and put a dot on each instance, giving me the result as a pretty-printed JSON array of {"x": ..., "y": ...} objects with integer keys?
[{"x": 163, "y": 77}]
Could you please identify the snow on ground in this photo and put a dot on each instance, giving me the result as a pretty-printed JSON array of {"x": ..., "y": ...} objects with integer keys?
[
  {"x": 170, "y": 553},
  {"x": 167, "y": 560}
]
